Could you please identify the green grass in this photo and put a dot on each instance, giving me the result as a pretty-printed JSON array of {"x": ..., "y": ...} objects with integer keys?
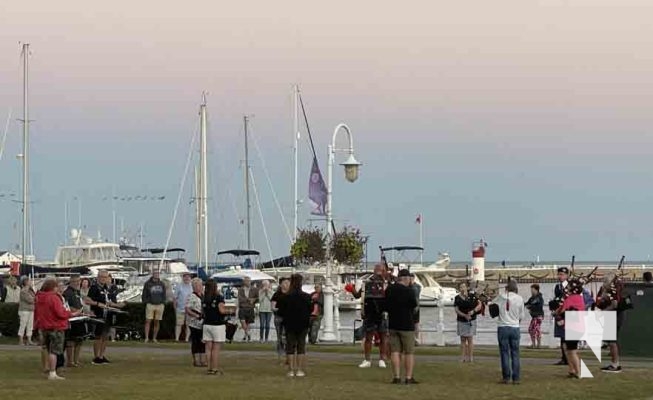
[{"x": 139, "y": 374}]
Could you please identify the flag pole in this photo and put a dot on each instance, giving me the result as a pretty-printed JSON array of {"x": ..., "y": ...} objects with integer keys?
[{"x": 420, "y": 219}]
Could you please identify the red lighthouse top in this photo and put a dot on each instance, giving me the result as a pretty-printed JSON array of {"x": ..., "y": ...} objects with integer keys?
[{"x": 478, "y": 249}]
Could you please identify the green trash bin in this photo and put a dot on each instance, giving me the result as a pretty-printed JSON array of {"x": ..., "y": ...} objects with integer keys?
[{"x": 636, "y": 333}]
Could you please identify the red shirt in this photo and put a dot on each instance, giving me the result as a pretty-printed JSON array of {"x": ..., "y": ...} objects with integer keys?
[{"x": 49, "y": 312}]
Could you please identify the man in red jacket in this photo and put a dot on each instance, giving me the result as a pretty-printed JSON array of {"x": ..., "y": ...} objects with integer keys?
[{"x": 53, "y": 322}]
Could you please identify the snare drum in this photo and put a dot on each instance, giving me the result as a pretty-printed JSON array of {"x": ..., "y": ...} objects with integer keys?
[{"x": 79, "y": 329}]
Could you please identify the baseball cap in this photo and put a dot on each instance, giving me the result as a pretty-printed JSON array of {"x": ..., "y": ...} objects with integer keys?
[{"x": 404, "y": 272}]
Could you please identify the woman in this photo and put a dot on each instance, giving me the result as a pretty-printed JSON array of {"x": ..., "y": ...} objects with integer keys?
[
  {"x": 213, "y": 331},
  {"x": 194, "y": 319},
  {"x": 282, "y": 291},
  {"x": 26, "y": 312},
  {"x": 466, "y": 307},
  {"x": 84, "y": 286},
  {"x": 295, "y": 309},
  {"x": 265, "y": 295},
  {"x": 572, "y": 302},
  {"x": 535, "y": 306},
  {"x": 317, "y": 311}
]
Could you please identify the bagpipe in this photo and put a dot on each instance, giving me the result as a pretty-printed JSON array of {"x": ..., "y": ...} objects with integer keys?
[
  {"x": 575, "y": 285},
  {"x": 482, "y": 296},
  {"x": 615, "y": 292},
  {"x": 556, "y": 303}
]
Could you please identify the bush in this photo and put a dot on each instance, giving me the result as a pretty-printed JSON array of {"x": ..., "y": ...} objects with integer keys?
[{"x": 134, "y": 320}]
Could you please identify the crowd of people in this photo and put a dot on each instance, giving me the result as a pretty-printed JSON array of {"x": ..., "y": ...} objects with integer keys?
[{"x": 390, "y": 317}]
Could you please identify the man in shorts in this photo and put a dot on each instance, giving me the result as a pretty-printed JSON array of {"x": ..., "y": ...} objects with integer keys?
[
  {"x": 608, "y": 300},
  {"x": 74, "y": 338},
  {"x": 401, "y": 303},
  {"x": 100, "y": 296},
  {"x": 154, "y": 298},
  {"x": 247, "y": 298},
  {"x": 182, "y": 293},
  {"x": 374, "y": 315}
]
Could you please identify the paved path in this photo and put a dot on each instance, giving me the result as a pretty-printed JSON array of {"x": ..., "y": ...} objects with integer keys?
[{"x": 430, "y": 358}]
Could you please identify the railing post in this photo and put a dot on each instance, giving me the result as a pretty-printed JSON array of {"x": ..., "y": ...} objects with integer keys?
[
  {"x": 551, "y": 333},
  {"x": 336, "y": 313},
  {"x": 441, "y": 341}
]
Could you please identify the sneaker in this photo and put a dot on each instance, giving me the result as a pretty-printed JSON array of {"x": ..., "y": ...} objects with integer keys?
[
  {"x": 611, "y": 369},
  {"x": 105, "y": 361},
  {"x": 382, "y": 364},
  {"x": 300, "y": 374},
  {"x": 365, "y": 364},
  {"x": 97, "y": 361},
  {"x": 396, "y": 381},
  {"x": 290, "y": 374},
  {"x": 411, "y": 381},
  {"x": 56, "y": 377}
]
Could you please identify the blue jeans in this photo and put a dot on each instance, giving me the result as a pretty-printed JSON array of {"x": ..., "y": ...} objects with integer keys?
[
  {"x": 509, "y": 348},
  {"x": 264, "y": 326}
]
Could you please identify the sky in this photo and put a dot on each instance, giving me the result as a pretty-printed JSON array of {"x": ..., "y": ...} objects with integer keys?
[{"x": 522, "y": 123}]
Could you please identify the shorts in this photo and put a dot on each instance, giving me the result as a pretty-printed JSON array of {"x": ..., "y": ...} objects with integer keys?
[
  {"x": 466, "y": 329},
  {"x": 214, "y": 333},
  {"x": 571, "y": 344},
  {"x": 296, "y": 342},
  {"x": 102, "y": 330},
  {"x": 375, "y": 325},
  {"x": 154, "y": 311},
  {"x": 54, "y": 341},
  {"x": 246, "y": 314},
  {"x": 402, "y": 342},
  {"x": 181, "y": 318}
]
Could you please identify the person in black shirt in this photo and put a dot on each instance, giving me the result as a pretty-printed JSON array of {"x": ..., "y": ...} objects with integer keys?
[
  {"x": 74, "y": 335},
  {"x": 214, "y": 331},
  {"x": 535, "y": 306},
  {"x": 100, "y": 297},
  {"x": 295, "y": 309},
  {"x": 400, "y": 303},
  {"x": 466, "y": 307}
]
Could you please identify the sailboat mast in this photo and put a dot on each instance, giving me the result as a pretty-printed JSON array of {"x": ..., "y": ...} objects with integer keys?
[
  {"x": 198, "y": 213},
  {"x": 204, "y": 186},
  {"x": 295, "y": 127},
  {"x": 247, "y": 202},
  {"x": 25, "y": 151}
]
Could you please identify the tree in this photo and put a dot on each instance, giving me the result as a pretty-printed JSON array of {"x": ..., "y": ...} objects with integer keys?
[
  {"x": 310, "y": 246},
  {"x": 347, "y": 246}
]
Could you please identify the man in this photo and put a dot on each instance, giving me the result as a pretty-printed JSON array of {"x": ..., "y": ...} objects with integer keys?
[
  {"x": 374, "y": 314},
  {"x": 608, "y": 300},
  {"x": 53, "y": 321},
  {"x": 317, "y": 311},
  {"x": 511, "y": 312},
  {"x": 648, "y": 277},
  {"x": 182, "y": 293},
  {"x": 73, "y": 296},
  {"x": 100, "y": 297},
  {"x": 247, "y": 298},
  {"x": 154, "y": 298},
  {"x": 401, "y": 303},
  {"x": 558, "y": 294},
  {"x": 13, "y": 291},
  {"x": 417, "y": 289}
]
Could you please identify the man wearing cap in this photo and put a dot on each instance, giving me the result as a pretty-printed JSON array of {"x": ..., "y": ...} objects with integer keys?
[
  {"x": 401, "y": 303},
  {"x": 559, "y": 294}
]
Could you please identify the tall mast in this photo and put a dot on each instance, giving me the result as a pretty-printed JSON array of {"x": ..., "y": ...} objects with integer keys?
[
  {"x": 295, "y": 127},
  {"x": 204, "y": 229},
  {"x": 198, "y": 213},
  {"x": 25, "y": 151},
  {"x": 247, "y": 202}
]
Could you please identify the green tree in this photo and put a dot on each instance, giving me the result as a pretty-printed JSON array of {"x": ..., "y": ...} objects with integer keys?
[
  {"x": 310, "y": 246},
  {"x": 347, "y": 246}
]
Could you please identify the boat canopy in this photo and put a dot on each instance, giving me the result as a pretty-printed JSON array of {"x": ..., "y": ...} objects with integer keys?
[
  {"x": 237, "y": 276},
  {"x": 240, "y": 253},
  {"x": 159, "y": 250},
  {"x": 402, "y": 248},
  {"x": 281, "y": 262}
]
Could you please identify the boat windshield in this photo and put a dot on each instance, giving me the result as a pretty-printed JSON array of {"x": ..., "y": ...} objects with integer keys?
[
  {"x": 73, "y": 255},
  {"x": 427, "y": 280}
]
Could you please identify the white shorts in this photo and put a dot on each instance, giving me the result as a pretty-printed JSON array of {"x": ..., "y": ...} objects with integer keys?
[
  {"x": 181, "y": 318},
  {"x": 214, "y": 333}
]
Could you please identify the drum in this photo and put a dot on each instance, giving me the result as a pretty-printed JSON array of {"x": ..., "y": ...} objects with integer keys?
[{"x": 79, "y": 329}]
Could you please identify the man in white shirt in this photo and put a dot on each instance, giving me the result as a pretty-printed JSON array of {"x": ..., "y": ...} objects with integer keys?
[
  {"x": 182, "y": 292},
  {"x": 511, "y": 312}
]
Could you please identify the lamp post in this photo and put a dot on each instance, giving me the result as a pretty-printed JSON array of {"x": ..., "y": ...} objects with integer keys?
[{"x": 351, "y": 174}]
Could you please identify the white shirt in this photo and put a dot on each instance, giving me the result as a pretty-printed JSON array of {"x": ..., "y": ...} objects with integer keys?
[{"x": 511, "y": 309}]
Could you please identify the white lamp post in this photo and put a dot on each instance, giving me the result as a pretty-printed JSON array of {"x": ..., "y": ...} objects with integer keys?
[{"x": 351, "y": 174}]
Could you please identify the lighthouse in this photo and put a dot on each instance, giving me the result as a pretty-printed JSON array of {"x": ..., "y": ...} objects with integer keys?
[{"x": 478, "y": 260}]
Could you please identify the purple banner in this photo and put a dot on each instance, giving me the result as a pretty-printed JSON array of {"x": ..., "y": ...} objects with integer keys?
[{"x": 317, "y": 191}]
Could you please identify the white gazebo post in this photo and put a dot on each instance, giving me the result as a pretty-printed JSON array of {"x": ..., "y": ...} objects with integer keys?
[{"x": 329, "y": 333}]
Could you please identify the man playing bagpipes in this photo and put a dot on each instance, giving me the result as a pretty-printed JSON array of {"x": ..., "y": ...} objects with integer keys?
[
  {"x": 558, "y": 294},
  {"x": 609, "y": 299}
]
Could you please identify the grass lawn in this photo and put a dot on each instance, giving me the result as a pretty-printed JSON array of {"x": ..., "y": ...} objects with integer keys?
[{"x": 164, "y": 374}]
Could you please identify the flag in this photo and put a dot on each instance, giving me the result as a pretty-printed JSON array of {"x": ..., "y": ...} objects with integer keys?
[
  {"x": 418, "y": 220},
  {"x": 317, "y": 191}
]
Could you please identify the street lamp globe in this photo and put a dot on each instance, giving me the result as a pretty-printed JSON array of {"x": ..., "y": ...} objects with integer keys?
[{"x": 351, "y": 168}]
